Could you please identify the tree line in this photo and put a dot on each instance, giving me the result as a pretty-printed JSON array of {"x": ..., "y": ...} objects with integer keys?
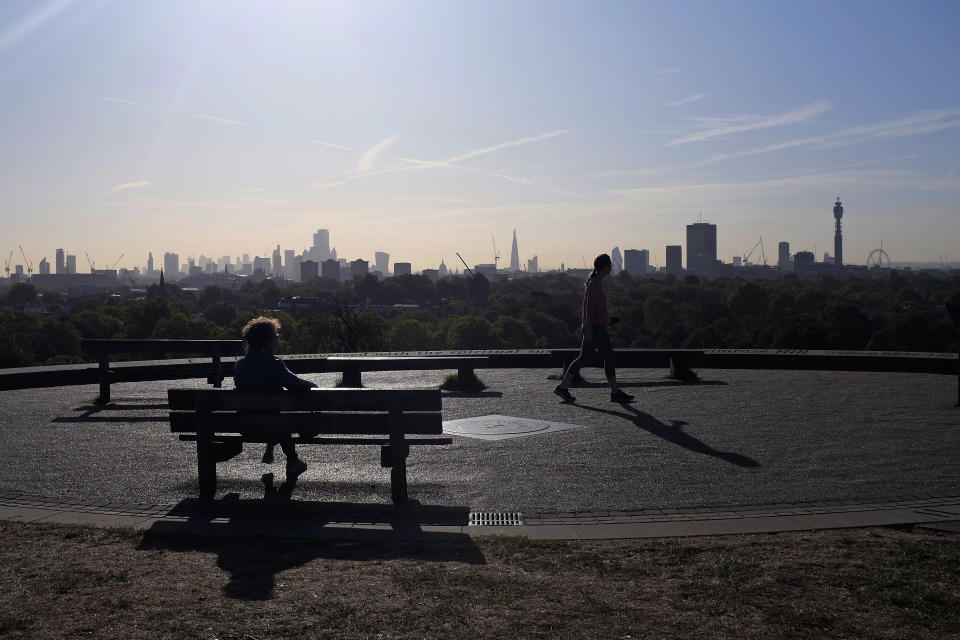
[{"x": 897, "y": 310}]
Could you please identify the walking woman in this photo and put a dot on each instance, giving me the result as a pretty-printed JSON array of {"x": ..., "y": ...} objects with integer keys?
[{"x": 594, "y": 325}]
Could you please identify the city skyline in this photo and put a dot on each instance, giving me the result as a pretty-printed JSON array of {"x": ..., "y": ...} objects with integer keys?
[{"x": 422, "y": 129}]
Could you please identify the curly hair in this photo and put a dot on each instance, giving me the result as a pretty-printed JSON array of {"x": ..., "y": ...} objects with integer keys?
[{"x": 260, "y": 332}]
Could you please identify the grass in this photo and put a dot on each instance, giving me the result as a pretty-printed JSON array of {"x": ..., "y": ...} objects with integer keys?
[{"x": 64, "y": 582}]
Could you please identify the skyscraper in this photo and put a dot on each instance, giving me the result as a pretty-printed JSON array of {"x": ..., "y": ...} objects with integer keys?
[
  {"x": 150, "y": 262},
  {"x": 701, "y": 248},
  {"x": 71, "y": 266},
  {"x": 321, "y": 245},
  {"x": 171, "y": 265},
  {"x": 277, "y": 262},
  {"x": 402, "y": 268},
  {"x": 532, "y": 266},
  {"x": 674, "y": 259},
  {"x": 838, "y": 234},
  {"x": 636, "y": 262},
  {"x": 382, "y": 261},
  {"x": 618, "y": 261},
  {"x": 61, "y": 265},
  {"x": 783, "y": 258},
  {"x": 514, "y": 254},
  {"x": 44, "y": 267}
]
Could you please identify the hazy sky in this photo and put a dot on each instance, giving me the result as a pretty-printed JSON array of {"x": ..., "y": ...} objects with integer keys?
[{"x": 425, "y": 128}]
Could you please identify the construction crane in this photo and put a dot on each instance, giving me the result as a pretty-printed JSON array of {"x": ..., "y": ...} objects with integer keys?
[
  {"x": 26, "y": 261},
  {"x": 114, "y": 266},
  {"x": 496, "y": 255},
  {"x": 746, "y": 257},
  {"x": 6, "y": 265},
  {"x": 458, "y": 255},
  {"x": 89, "y": 261}
]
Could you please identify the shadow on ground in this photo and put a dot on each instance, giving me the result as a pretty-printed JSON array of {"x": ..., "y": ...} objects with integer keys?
[
  {"x": 254, "y": 540},
  {"x": 673, "y": 433}
]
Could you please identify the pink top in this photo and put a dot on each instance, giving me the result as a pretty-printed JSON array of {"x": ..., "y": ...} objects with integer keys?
[{"x": 594, "y": 293}]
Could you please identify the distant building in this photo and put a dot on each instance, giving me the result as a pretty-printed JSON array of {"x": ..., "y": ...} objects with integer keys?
[
  {"x": 737, "y": 261},
  {"x": 432, "y": 274},
  {"x": 382, "y": 261},
  {"x": 359, "y": 267},
  {"x": 320, "y": 250},
  {"x": 783, "y": 256},
  {"x": 402, "y": 268},
  {"x": 442, "y": 269},
  {"x": 702, "y": 248},
  {"x": 532, "y": 266},
  {"x": 636, "y": 262},
  {"x": 619, "y": 262},
  {"x": 61, "y": 264},
  {"x": 150, "y": 262},
  {"x": 489, "y": 271},
  {"x": 71, "y": 264},
  {"x": 514, "y": 254},
  {"x": 171, "y": 266},
  {"x": 838, "y": 232},
  {"x": 674, "y": 259},
  {"x": 261, "y": 264},
  {"x": 290, "y": 269},
  {"x": 330, "y": 268},
  {"x": 803, "y": 262},
  {"x": 309, "y": 269},
  {"x": 277, "y": 262},
  {"x": 44, "y": 267}
]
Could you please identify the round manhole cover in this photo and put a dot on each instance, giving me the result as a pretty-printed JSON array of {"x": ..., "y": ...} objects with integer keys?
[{"x": 496, "y": 426}]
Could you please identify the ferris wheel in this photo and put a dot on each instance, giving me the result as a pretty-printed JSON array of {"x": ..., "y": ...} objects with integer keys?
[{"x": 878, "y": 258}]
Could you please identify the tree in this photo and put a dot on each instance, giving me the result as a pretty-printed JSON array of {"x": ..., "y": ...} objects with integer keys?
[
  {"x": 21, "y": 293},
  {"x": 471, "y": 332}
]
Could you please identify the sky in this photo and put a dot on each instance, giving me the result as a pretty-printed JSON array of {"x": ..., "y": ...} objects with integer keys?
[{"x": 424, "y": 129}]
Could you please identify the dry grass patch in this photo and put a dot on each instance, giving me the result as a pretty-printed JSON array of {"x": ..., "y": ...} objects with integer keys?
[{"x": 65, "y": 582}]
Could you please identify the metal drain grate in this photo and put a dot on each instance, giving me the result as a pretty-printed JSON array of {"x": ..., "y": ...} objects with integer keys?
[{"x": 495, "y": 519}]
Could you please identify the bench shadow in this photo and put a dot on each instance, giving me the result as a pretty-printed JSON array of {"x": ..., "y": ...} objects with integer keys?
[
  {"x": 653, "y": 383},
  {"x": 98, "y": 413},
  {"x": 471, "y": 394},
  {"x": 255, "y": 540},
  {"x": 674, "y": 434}
]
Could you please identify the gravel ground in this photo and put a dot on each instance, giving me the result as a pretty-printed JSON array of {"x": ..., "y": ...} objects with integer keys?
[{"x": 736, "y": 438}]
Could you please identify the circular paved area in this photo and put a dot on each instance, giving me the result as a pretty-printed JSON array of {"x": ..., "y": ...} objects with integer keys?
[{"x": 737, "y": 438}]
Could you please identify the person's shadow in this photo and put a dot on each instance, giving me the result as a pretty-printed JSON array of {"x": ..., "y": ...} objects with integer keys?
[{"x": 674, "y": 433}]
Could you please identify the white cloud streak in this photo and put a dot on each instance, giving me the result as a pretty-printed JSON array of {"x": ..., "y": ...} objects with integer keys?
[
  {"x": 697, "y": 97},
  {"x": 24, "y": 28},
  {"x": 328, "y": 144},
  {"x": 126, "y": 186},
  {"x": 740, "y": 124},
  {"x": 370, "y": 155},
  {"x": 204, "y": 116}
]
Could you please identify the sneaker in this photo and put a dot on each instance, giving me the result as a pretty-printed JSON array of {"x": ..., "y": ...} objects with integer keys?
[
  {"x": 296, "y": 466},
  {"x": 620, "y": 396},
  {"x": 564, "y": 393}
]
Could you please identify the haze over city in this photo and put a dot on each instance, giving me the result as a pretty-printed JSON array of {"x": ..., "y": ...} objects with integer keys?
[{"x": 422, "y": 129}]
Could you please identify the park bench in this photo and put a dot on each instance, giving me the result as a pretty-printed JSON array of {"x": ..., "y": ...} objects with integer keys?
[
  {"x": 220, "y": 421},
  {"x": 353, "y": 365},
  {"x": 213, "y": 348}
]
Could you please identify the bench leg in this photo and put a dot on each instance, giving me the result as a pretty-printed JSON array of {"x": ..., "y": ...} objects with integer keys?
[
  {"x": 104, "y": 369},
  {"x": 680, "y": 370},
  {"x": 399, "y": 450},
  {"x": 351, "y": 377},
  {"x": 206, "y": 458}
]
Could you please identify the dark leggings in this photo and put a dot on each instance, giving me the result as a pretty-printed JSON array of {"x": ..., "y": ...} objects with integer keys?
[{"x": 601, "y": 343}]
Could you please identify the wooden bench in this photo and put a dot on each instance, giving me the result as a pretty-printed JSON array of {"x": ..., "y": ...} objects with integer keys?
[
  {"x": 352, "y": 366},
  {"x": 220, "y": 421},
  {"x": 214, "y": 348}
]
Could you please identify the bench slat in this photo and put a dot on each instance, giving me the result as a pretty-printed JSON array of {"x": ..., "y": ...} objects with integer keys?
[
  {"x": 327, "y": 423},
  {"x": 312, "y": 400},
  {"x": 188, "y": 437}
]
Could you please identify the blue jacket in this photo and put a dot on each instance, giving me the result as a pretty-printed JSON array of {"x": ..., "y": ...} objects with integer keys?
[{"x": 263, "y": 372}]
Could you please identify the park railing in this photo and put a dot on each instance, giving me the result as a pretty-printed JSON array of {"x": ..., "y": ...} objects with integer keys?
[{"x": 216, "y": 360}]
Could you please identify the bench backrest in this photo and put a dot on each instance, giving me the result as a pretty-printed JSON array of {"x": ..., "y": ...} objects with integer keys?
[{"x": 341, "y": 411}]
